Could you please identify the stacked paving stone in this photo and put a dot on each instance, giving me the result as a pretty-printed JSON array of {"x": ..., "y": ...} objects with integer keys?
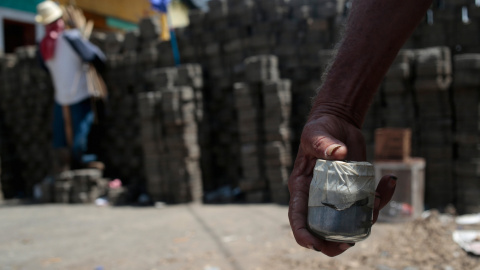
[
  {"x": 304, "y": 89},
  {"x": 248, "y": 107},
  {"x": 466, "y": 26},
  {"x": 263, "y": 107},
  {"x": 277, "y": 101},
  {"x": 171, "y": 114},
  {"x": 77, "y": 186},
  {"x": 452, "y": 23},
  {"x": 393, "y": 105},
  {"x": 2, "y": 153},
  {"x": 132, "y": 56},
  {"x": 415, "y": 94},
  {"x": 398, "y": 109},
  {"x": 121, "y": 144},
  {"x": 467, "y": 117},
  {"x": 8, "y": 160},
  {"x": 373, "y": 119},
  {"x": 300, "y": 33},
  {"x": 26, "y": 104},
  {"x": 152, "y": 144},
  {"x": 433, "y": 72},
  {"x": 231, "y": 31},
  {"x": 295, "y": 31}
]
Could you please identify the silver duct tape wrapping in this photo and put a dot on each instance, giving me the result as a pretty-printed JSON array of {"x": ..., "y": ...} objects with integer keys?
[
  {"x": 340, "y": 184},
  {"x": 341, "y": 200}
]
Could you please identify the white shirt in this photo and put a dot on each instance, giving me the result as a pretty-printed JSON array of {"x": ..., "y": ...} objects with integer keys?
[{"x": 68, "y": 74}]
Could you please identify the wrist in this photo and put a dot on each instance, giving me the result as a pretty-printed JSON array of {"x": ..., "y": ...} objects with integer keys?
[{"x": 343, "y": 111}]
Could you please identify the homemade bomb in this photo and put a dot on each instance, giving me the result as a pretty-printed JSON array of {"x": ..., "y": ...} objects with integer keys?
[{"x": 341, "y": 199}]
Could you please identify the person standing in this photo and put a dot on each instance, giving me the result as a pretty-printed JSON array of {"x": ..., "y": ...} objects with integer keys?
[{"x": 67, "y": 56}]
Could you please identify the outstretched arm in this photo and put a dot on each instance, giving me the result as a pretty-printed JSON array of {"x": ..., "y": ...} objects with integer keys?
[{"x": 375, "y": 32}]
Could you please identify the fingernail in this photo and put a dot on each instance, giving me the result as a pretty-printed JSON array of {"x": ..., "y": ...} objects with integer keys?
[
  {"x": 393, "y": 181},
  {"x": 345, "y": 246},
  {"x": 329, "y": 151}
]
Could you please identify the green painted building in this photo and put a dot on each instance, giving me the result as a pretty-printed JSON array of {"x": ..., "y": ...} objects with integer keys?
[{"x": 17, "y": 24}]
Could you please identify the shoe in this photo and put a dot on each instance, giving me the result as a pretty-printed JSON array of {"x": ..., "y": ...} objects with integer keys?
[{"x": 96, "y": 165}]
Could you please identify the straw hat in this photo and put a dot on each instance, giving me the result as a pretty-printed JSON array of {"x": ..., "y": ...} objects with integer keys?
[{"x": 48, "y": 12}]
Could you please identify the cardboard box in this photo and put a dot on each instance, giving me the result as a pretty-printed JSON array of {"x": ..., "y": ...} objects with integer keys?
[{"x": 392, "y": 143}]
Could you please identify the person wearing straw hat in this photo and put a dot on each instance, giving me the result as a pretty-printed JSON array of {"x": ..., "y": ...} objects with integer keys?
[{"x": 66, "y": 56}]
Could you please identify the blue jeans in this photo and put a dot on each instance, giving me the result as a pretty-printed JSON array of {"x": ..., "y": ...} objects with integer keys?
[{"x": 82, "y": 118}]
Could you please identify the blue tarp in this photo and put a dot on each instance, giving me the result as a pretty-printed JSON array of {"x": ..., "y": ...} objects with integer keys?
[{"x": 160, "y": 5}]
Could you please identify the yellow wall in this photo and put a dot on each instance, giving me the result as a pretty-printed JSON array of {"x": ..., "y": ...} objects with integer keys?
[
  {"x": 128, "y": 10},
  {"x": 131, "y": 10}
]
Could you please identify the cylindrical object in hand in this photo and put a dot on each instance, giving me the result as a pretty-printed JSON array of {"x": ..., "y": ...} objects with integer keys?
[{"x": 341, "y": 199}]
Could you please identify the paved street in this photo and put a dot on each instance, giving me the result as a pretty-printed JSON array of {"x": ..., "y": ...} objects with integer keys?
[
  {"x": 213, "y": 237},
  {"x": 206, "y": 237}
]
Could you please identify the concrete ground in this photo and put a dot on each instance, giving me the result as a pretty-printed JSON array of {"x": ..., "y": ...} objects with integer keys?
[
  {"x": 180, "y": 237},
  {"x": 205, "y": 237}
]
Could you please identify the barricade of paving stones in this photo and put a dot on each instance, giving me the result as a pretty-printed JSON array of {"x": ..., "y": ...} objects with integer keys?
[
  {"x": 77, "y": 186},
  {"x": 466, "y": 100},
  {"x": 434, "y": 122},
  {"x": 81, "y": 186},
  {"x": 26, "y": 102},
  {"x": 451, "y": 23},
  {"x": 230, "y": 32},
  {"x": 416, "y": 92},
  {"x": 171, "y": 131},
  {"x": 263, "y": 108},
  {"x": 121, "y": 144}
]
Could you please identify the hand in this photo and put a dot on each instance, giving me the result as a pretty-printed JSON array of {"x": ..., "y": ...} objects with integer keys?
[{"x": 332, "y": 138}]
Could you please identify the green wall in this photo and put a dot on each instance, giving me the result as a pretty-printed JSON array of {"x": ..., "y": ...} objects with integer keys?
[{"x": 23, "y": 5}]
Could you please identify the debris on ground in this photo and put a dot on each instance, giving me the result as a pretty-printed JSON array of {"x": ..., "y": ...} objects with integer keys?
[
  {"x": 467, "y": 234},
  {"x": 425, "y": 243}
]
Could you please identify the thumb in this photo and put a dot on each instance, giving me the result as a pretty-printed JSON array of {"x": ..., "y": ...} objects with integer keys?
[
  {"x": 335, "y": 151},
  {"x": 329, "y": 148}
]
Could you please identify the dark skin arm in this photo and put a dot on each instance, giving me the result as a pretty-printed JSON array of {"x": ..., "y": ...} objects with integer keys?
[{"x": 375, "y": 32}]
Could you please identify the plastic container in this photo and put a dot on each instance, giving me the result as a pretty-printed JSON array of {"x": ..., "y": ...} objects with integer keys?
[
  {"x": 341, "y": 199},
  {"x": 408, "y": 200}
]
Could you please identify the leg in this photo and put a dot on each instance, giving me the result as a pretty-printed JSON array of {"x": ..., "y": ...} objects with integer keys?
[
  {"x": 82, "y": 119},
  {"x": 61, "y": 152}
]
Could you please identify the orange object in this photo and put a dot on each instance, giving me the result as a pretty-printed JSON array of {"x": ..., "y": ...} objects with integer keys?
[
  {"x": 165, "y": 34},
  {"x": 393, "y": 143}
]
